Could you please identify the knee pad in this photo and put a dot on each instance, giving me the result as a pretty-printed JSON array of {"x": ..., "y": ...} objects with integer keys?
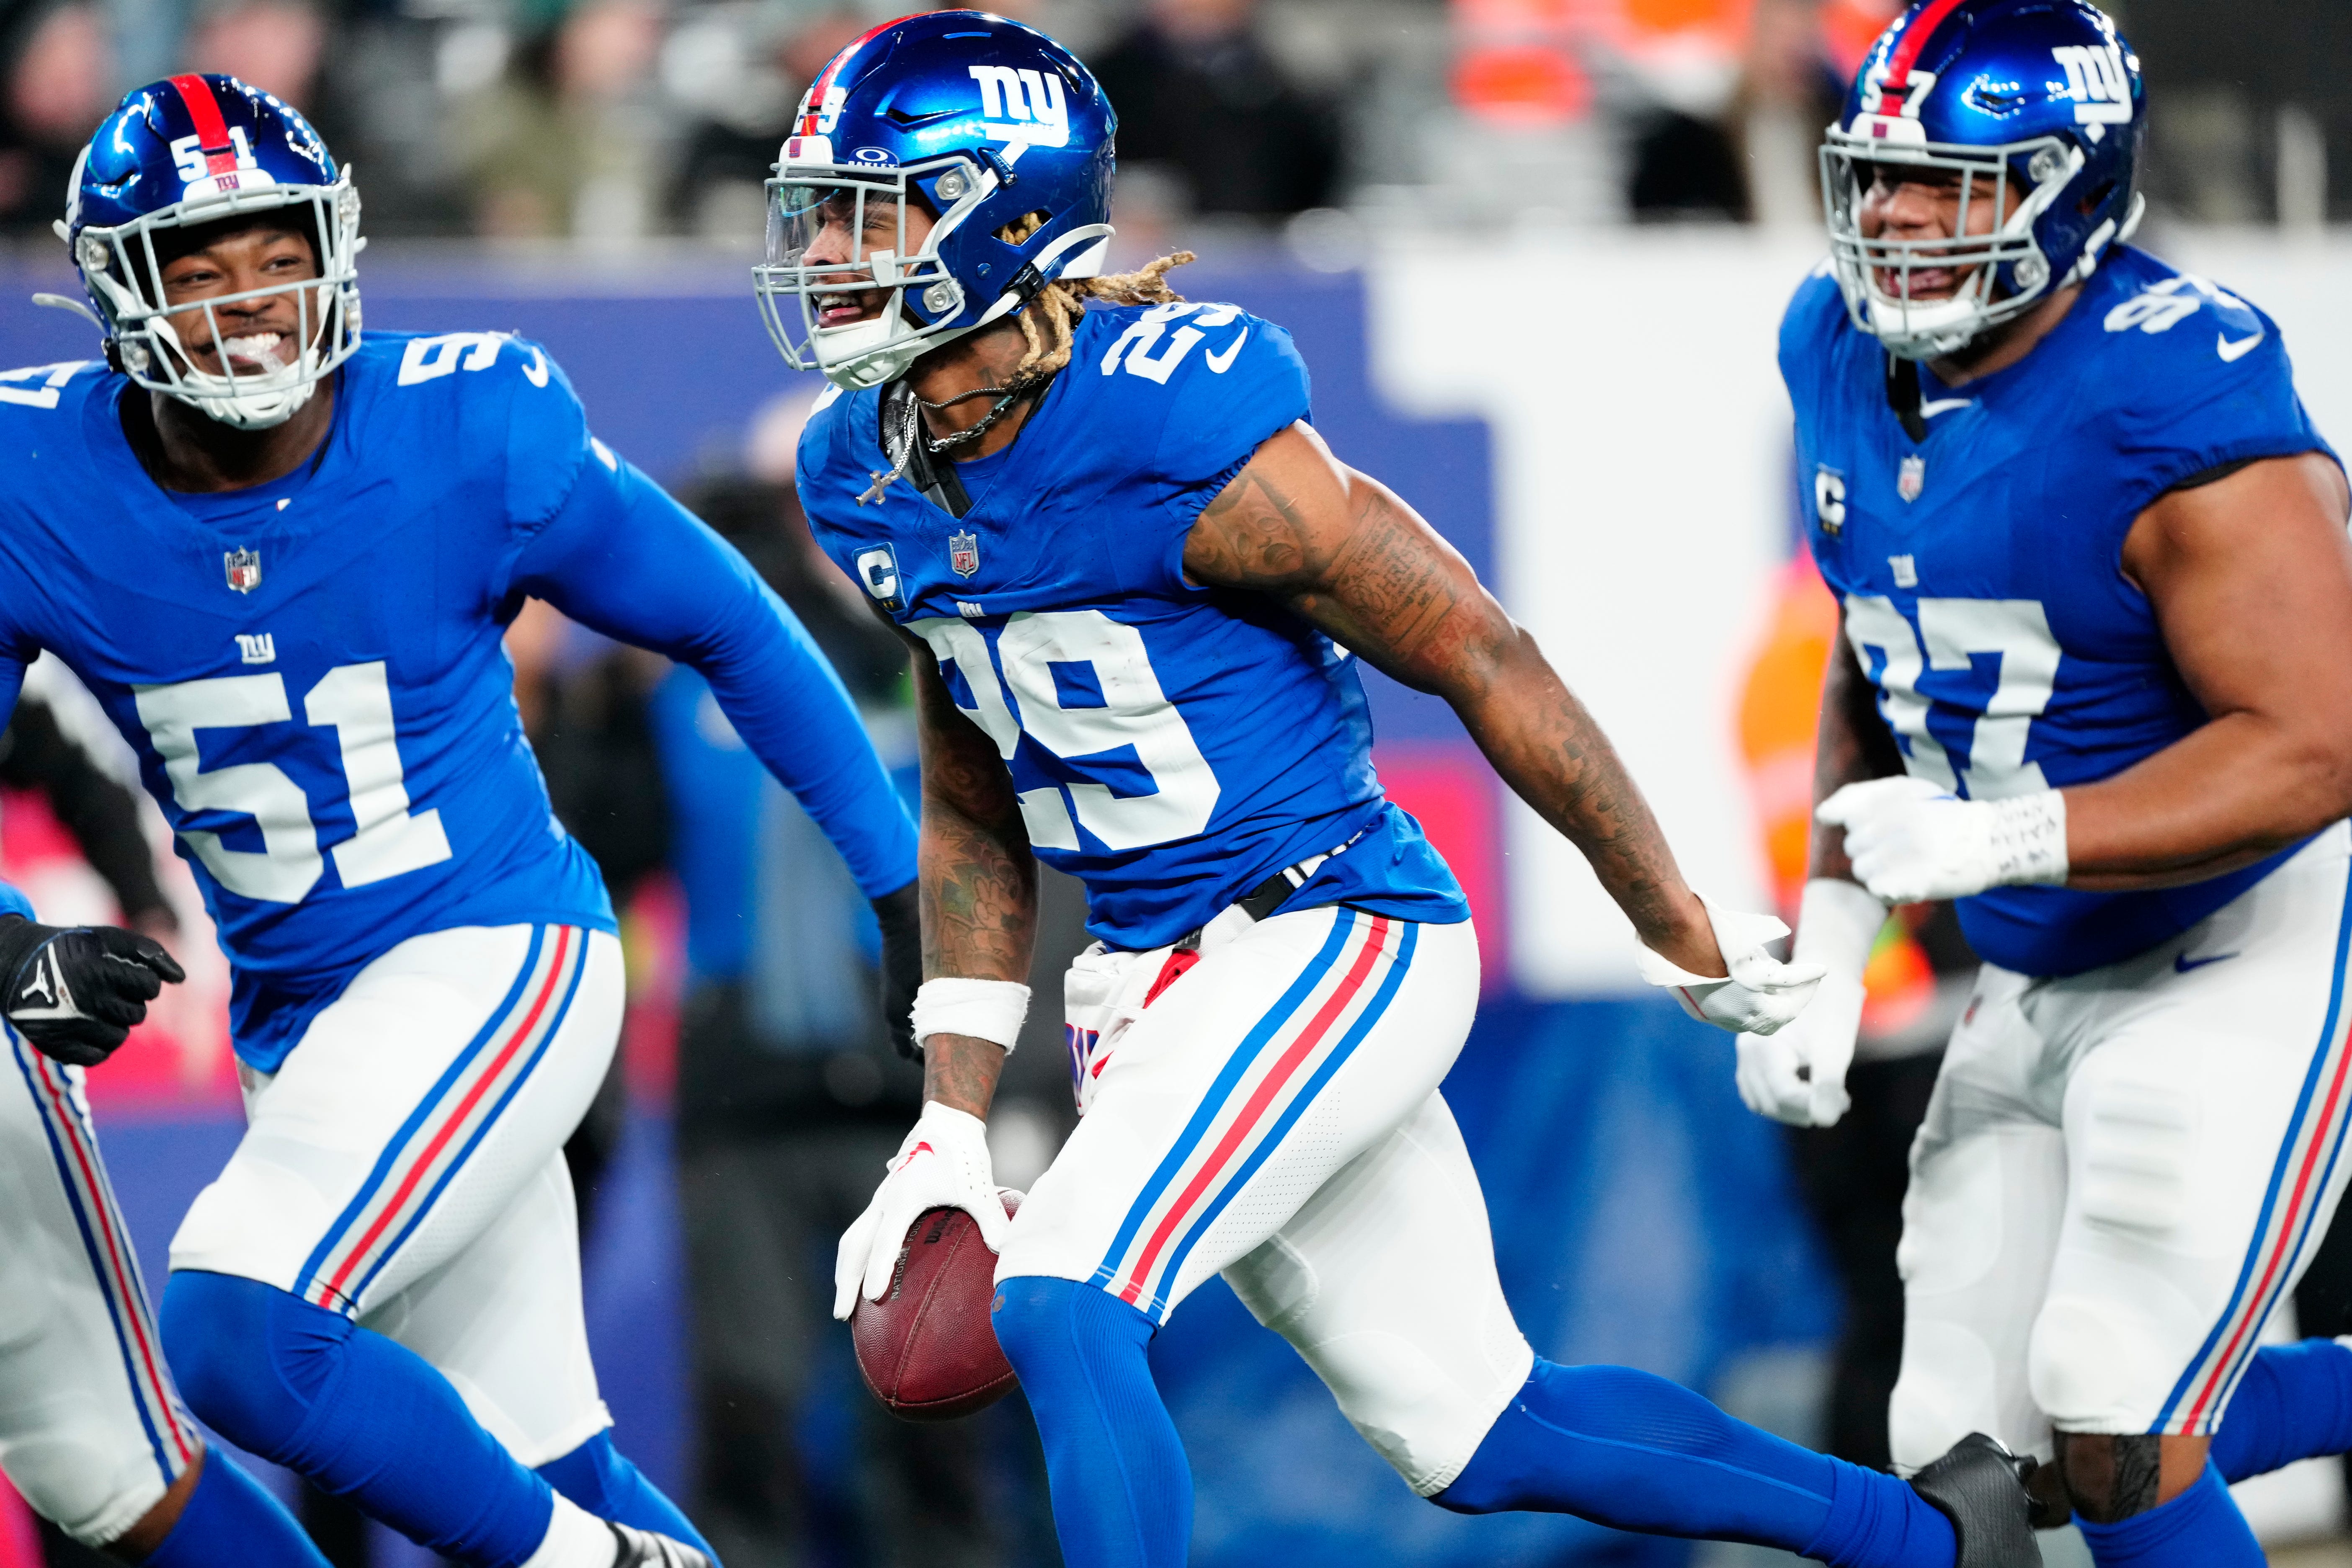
[
  {"x": 1422, "y": 1379},
  {"x": 90, "y": 1485},
  {"x": 2094, "y": 1367},
  {"x": 1415, "y": 1413},
  {"x": 252, "y": 1361},
  {"x": 1946, "y": 1389}
]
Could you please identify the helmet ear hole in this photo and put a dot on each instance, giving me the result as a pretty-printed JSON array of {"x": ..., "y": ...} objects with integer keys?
[{"x": 1022, "y": 227}]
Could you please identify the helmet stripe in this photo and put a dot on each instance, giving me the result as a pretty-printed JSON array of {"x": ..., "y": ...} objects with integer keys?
[
  {"x": 824, "y": 83},
  {"x": 1914, "y": 42},
  {"x": 212, "y": 131}
]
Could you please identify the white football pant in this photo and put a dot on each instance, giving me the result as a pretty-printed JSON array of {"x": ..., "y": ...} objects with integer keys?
[
  {"x": 1272, "y": 1115},
  {"x": 91, "y": 1431},
  {"x": 404, "y": 1167},
  {"x": 2122, "y": 1171}
]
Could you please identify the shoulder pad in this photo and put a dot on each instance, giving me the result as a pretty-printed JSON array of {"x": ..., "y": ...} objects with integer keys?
[
  {"x": 44, "y": 386},
  {"x": 1157, "y": 343},
  {"x": 428, "y": 357},
  {"x": 2194, "y": 307}
]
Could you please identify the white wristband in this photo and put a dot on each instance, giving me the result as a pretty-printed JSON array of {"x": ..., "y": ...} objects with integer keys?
[
  {"x": 2027, "y": 839},
  {"x": 989, "y": 1010},
  {"x": 1838, "y": 925}
]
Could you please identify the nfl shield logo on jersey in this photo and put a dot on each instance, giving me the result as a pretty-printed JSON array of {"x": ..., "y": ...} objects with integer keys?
[
  {"x": 244, "y": 569},
  {"x": 1913, "y": 478},
  {"x": 963, "y": 553}
]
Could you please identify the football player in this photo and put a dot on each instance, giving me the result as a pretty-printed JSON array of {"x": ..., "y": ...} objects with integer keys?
[
  {"x": 1140, "y": 583},
  {"x": 2096, "y": 591},
  {"x": 92, "y": 1434},
  {"x": 282, "y": 556}
]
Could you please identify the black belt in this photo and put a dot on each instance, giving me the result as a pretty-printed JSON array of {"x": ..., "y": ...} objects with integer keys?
[{"x": 1268, "y": 896}]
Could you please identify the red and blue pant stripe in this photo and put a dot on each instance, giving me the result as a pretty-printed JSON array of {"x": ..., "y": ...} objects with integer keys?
[
  {"x": 1276, "y": 1072},
  {"x": 448, "y": 1124},
  {"x": 73, "y": 1148},
  {"x": 2298, "y": 1186}
]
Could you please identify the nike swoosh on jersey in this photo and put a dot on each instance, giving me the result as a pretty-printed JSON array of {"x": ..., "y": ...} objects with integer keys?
[
  {"x": 1944, "y": 405},
  {"x": 535, "y": 372},
  {"x": 1223, "y": 362},
  {"x": 2231, "y": 352},
  {"x": 2182, "y": 963}
]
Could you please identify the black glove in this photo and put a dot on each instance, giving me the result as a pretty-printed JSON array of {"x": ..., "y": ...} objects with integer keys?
[
  {"x": 74, "y": 991},
  {"x": 902, "y": 963}
]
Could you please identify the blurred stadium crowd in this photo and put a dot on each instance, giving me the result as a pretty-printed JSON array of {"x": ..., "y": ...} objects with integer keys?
[{"x": 618, "y": 122}]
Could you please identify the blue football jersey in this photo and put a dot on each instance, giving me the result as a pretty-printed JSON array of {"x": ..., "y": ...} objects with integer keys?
[
  {"x": 312, "y": 671},
  {"x": 1981, "y": 571},
  {"x": 1172, "y": 746}
]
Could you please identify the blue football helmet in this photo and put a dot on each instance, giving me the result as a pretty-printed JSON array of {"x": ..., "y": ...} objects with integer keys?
[
  {"x": 981, "y": 122},
  {"x": 2033, "y": 103},
  {"x": 194, "y": 150}
]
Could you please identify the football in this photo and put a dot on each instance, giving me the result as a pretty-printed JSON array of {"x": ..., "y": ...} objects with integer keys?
[{"x": 927, "y": 1348}]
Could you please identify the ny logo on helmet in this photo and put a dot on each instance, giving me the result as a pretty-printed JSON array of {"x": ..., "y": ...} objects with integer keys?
[
  {"x": 2095, "y": 79},
  {"x": 1024, "y": 107}
]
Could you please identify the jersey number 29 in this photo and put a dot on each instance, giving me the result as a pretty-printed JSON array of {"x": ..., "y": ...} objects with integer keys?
[
  {"x": 353, "y": 699},
  {"x": 1132, "y": 718}
]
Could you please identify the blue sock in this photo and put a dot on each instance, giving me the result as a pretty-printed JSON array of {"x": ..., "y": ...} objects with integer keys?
[
  {"x": 599, "y": 1479},
  {"x": 2201, "y": 1527},
  {"x": 360, "y": 1417},
  {"x": 1122, "y": 1490},
  {"x": 229, "y": 1521},
  {"x": 2295, "y": 1403},
  {"x": 1635, "y": 1452}
]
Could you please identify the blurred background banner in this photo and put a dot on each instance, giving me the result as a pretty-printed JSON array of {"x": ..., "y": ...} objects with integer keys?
[{"x": 1535, "y": 253}]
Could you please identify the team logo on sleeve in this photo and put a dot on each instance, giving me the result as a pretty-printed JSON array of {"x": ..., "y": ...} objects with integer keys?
[
  {"x": 963, "y": 553},
  {"x": 244, "y": 568}
]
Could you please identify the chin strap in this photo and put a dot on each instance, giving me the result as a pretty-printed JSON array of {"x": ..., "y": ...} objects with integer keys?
[{"x": 1903, "y": 396}]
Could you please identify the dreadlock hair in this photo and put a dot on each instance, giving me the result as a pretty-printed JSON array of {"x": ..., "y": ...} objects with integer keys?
[{"x": 1051, "y": 318}]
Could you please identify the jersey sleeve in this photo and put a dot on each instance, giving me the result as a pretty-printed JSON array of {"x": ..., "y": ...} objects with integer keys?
[
  {"x": 548, "y": 443},
  {"x": 1806, "y": 327},
  {"x": 622, "y": 557},
  {"x": 1223, "y": 381},
  {"x": 2207, "y": 387}
]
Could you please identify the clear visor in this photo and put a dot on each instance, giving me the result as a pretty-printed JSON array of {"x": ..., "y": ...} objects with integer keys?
[
  {"x": 843, "y": 248},
  {"x": 1930, "y": 293}
]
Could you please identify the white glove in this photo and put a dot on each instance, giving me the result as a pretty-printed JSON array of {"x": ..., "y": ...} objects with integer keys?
[
  {"x": 1912, "y": 842},
  {"x": 943, "y": 1163},
  {"x": 1798, "y": 1076},
  {"x": 1762, "y": 993}
]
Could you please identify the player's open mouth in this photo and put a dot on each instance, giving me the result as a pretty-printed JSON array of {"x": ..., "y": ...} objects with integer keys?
[
  {"x": 1921, "y": 283},
  {"x": 253, "y": 352},
  {"x": 845, "y": 309}
]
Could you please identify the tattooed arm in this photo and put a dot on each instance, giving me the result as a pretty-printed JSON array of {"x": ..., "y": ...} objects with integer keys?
[
  {"x": 979, "y": 881},
  {"x": 1346, "y": 553}
]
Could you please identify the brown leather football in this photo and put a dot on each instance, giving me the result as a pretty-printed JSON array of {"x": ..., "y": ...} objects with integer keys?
[{"x": 927, "y": 1348}]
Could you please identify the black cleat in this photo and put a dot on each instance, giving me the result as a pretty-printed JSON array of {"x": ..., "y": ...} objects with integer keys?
[
  {"x": 1979, "y": 1486},
  {"x": 643, "y": 1549}
]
